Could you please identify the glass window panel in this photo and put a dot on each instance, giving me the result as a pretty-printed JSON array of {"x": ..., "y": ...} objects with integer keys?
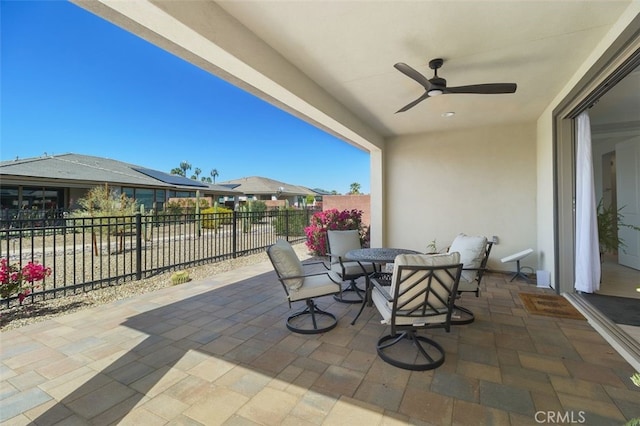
[
  {"x": 129, "y": 192},
  {"x": 145, "y": 197},
  {"x": 41, "y": 198},
  {"x": 9, "y": 197}
]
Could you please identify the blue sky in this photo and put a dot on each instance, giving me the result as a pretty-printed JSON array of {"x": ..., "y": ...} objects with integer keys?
[{"x": 73, "y": 82}]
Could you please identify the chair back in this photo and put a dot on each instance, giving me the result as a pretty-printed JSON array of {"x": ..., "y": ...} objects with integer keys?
[
  {"x": 473, "y": 254},
  {"x": 485, "y": 260},
  {"x": 340, "y": 242},
  {"x": 424, "y": 286},
  {"x": 287, "y": 265}
]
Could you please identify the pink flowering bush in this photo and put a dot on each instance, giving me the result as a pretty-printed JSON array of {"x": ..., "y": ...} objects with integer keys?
[
  {"x": 332, "y": 219},
  {"x": 15, "y": 280}
]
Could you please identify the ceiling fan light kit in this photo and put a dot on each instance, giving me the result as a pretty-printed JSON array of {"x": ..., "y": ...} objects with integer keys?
[{"x": 436, "y": 86}]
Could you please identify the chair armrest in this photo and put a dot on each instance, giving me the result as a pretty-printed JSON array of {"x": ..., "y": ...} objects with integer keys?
[
  {"x": 334, "y": 256},
  {"x": 317, "y": 262},
  {"x": 342, "y": 261},
  {"x": 480, "y": 271},
  {"x": 294, "y": 277},
  {"x": 474, "y": 269},
  {"x": 382, "y": 289}
]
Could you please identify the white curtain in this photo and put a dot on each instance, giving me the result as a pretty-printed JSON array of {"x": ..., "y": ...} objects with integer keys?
[{"x": 587, "y": 248}]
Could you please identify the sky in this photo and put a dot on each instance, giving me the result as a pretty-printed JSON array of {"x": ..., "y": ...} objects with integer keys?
[{"x": 71, "y": 82}]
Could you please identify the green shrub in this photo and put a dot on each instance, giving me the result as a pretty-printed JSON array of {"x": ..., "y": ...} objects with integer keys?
[
  {"x": 297, "y": 220},
  {"x": 215, "y": 217},
  {"x": 111, "y": 213},
  {"x": 173, "y": 207},
  {"x": 259, "y": 209},
  {"x": 180, "y": 277}
]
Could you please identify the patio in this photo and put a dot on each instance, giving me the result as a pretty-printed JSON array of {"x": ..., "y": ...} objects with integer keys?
[{"x": 218, "y": 352}]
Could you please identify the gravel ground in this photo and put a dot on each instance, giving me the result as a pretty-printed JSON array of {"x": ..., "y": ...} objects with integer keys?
[{"x": 40, "y": 311}]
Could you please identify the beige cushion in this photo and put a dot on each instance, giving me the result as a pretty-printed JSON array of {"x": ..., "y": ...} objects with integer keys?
[
  {"x": 422, "y": 260},
  {"x": 287, "y": 264},
  {"x": 341, "y": 242},
  {"x": 317, "y": 285},
  {"x": 353, "y": 268},
  {"x": 385, "y": 307},
  {"x": 472, "y": 250}
]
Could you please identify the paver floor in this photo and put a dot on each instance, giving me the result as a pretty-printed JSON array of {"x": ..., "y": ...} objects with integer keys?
[{"x": 218, "y": 352}]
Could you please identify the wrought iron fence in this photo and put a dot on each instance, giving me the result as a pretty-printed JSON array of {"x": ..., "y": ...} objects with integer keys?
[{"x": 91, "y": 253}]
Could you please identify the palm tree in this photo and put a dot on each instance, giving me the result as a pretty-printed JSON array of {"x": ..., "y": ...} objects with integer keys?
[
  {"x": 214, "y": 174},
  {"x": 185, "y": 165},
  {"x": 355, "y": 188},
  {"x": 177, "y": 171},
  {"x": 196, "y": 172}
]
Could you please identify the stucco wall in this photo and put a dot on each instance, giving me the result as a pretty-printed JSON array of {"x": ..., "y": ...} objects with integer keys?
[
  {"x": 349, "y": 202},
  {"x": 545, "y": 234},
  {"x": 479, "y": 181}
]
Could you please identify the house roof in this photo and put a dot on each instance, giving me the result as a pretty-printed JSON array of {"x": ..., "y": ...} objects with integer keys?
[
  {"x": 321, "y": 191},
  {"x": 266, "y": 186},
  {"x": 90, "y": 169}
]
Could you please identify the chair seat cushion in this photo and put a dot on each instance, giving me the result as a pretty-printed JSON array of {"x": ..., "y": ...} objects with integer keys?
[
  {"x": 464, "y": 285},
  {"x": 353, "y": 268},
  {"x": 317, "y": 285},
  {"x": 287, "y": 264},
  {"x": 383, "y": 307}
]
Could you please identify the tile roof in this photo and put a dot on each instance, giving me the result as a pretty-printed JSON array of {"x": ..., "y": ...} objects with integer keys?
[
  {"x": 88, "y": 168},
  {"x": 262, "y": 185}
]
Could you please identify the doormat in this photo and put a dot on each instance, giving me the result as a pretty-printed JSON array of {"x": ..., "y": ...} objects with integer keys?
[
  {"x": 620, "y": 310},
  {"x": 550, "y": 305}
]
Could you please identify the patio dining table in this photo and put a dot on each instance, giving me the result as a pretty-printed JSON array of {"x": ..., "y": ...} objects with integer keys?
[{"x": 380, "y": 255}]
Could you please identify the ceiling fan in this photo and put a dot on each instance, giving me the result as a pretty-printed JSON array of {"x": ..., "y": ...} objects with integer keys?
[{"x": 438, "y": 86}]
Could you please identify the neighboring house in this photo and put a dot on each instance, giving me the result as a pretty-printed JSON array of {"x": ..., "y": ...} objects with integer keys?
[
  {"x": 320, "y": 194},
  {"x": 58, "y": 181},
  {"x": 274, "y": 193}
]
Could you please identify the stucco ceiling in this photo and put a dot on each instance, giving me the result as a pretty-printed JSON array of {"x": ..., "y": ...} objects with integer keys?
[
  {"x": 349, "y": 48},
  {"x": 338, "y": 55}
]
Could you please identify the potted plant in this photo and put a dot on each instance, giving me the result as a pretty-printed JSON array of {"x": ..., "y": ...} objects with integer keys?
[{"x": 609, "y": 222}]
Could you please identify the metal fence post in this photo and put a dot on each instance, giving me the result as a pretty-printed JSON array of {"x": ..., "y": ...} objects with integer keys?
[
  {"x": 286, "y": 223},
  {"x": 234, "y": 238},
  {"x": 138, "y": 246}
]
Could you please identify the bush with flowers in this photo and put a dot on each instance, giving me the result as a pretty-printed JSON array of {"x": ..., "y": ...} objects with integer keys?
[
  {"x": 332, "y": 219},
  {"x": 20, "y": 281}
]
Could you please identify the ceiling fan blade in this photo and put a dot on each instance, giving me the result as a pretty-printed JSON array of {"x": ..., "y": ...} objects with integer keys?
[
  {"x": 485, "y": 89},
  {"x": 413, "y": 74},
  {"x": 414, "y": 103}
]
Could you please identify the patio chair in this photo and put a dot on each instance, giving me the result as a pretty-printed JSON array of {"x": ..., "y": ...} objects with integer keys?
[
  {"x": 474, "y": 255},
  {"x": 339, "y": 243},
  {"x": 301, "y": 286},
  {"x": 421, "y": 296}
]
